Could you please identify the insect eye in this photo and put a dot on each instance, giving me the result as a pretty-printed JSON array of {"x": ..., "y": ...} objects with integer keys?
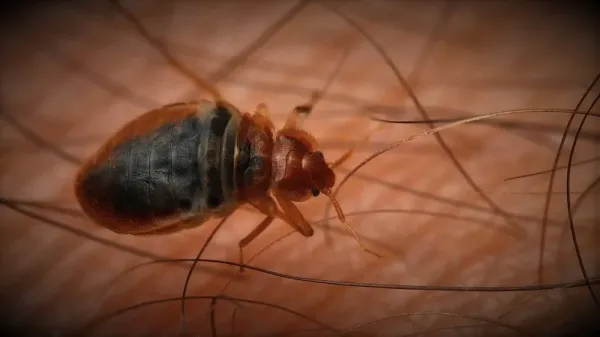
[
  {"x": 315, "y": 192},
  {"x": 320, "y": 154}
]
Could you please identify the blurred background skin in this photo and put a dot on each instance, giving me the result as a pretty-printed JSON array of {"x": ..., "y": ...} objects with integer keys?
[{"x": 440, "y": 210}]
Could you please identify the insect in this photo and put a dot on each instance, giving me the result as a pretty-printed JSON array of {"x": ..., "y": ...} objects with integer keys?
[{"x": 182, "y": 164}]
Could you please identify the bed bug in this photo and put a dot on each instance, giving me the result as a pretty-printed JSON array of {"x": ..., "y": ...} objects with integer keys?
[{"x": 182, "y": 164}]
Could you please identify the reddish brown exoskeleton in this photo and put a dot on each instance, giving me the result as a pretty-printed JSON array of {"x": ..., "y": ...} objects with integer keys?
[
  {"x": 177, "y": 166},
  {"x": 180, "y": 165}
]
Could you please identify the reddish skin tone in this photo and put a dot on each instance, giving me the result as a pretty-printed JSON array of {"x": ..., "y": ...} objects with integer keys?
[{"x": 297, "y": 173}]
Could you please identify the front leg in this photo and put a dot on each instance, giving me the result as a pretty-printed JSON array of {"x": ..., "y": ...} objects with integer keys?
[
  {"x": 294, "y": 214},
  {"x": 268, "y": 206}
]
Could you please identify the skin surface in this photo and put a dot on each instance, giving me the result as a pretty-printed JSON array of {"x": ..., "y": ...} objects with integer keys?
[{"x": 73, "y": 74}]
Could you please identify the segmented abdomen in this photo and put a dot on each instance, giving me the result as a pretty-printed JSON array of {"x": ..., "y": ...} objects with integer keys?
[
  {"x": 154, "y": 175},
  {"x": 180, "y": 167}
]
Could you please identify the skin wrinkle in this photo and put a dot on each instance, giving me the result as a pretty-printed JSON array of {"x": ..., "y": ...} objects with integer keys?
[
  {"x": 406, "y": 83},
  {"x": 251, "y": 259},
  {"x": 410, "y": 228},
  {"x": 486, "y": 247}
]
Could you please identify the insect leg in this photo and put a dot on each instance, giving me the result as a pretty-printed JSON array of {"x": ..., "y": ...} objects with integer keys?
[
  {"x": 294, "y": 213},
  {"x": 300, "y": 113},
  {"x": 269, "y": 207},
  {"x": 293, "y": 119},
  {"x": 251, "y": 236}
]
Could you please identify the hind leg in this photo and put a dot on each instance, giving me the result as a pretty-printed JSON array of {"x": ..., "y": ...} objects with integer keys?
[
  {"x": 294, "y": 214},
  {"x": 269, "y": 208}
]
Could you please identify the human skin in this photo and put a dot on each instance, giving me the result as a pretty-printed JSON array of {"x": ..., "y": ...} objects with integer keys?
[{"x": 75, "y": 73}]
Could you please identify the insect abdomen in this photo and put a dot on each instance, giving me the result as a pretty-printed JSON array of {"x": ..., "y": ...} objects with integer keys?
[
  {"x": 178, "y": 169},
  {"x": 154, "y": 175}
]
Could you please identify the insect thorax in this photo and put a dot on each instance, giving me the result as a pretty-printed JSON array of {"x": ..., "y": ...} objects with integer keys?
[{"x": 253, "y": 160}]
